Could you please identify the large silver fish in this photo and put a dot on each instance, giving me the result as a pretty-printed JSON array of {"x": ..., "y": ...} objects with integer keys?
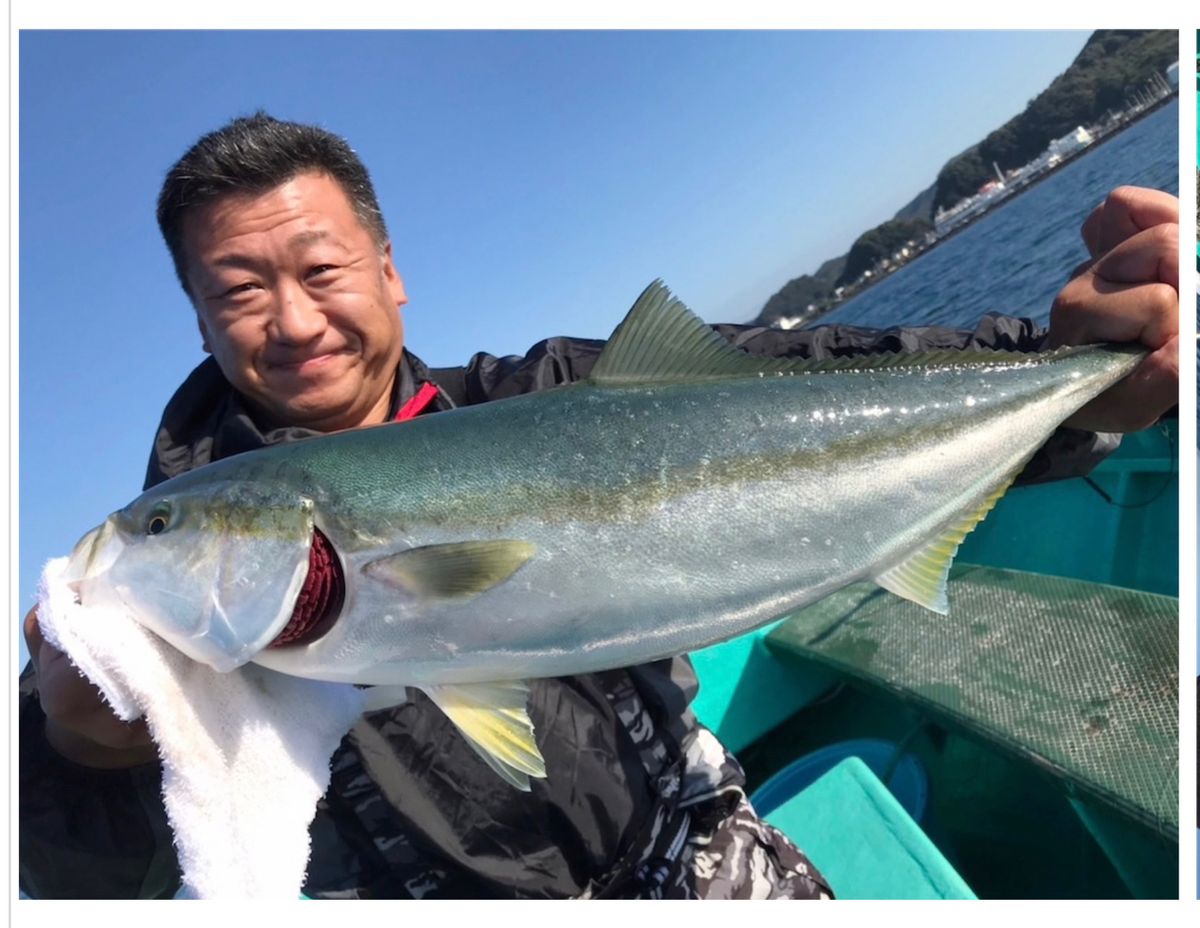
[{"x": 684, "y": 494}]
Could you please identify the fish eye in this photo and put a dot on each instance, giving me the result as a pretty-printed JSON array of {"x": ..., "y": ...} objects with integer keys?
[{"x": 158, "y": 521}]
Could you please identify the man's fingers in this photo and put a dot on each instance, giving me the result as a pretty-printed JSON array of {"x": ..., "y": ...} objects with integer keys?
[
  {"x": 1139, "y": 400},
  {"x": 1150, "y": 255},
  {"x": 79, "y": 724},
  {"x": 1091, "y": 309},
  {"x": 1131, "y": 294},
  {"x": 1124, "y": 213},
  {"x": 33, "y": 635}
]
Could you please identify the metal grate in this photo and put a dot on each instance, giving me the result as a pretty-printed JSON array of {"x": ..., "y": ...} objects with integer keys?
[{"x": 1078, "y": 677}]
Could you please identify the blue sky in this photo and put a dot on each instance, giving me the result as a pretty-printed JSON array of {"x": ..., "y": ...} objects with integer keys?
[{"x": 534, "y": 183}]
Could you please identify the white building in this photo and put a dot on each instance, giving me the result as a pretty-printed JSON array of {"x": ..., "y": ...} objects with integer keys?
[{"x": 1071, "y": 142}]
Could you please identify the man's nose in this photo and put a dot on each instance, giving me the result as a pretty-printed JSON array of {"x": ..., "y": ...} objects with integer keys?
[{"x": 298, "y": 317}]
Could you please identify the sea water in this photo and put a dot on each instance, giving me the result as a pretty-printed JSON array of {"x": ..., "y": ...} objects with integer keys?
[{"x": 1016, "y": 258}]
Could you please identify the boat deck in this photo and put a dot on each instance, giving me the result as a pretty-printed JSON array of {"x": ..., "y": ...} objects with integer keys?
[
  {"x": 1075, "y": 680},
  {"x": 1079, "y": 678}
]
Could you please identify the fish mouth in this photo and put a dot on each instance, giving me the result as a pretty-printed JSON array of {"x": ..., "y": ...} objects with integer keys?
[
  {"x": 92, "y": 555},
  {"x": 320, "y": 600}
]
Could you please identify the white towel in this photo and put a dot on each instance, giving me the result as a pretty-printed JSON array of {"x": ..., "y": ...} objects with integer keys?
[{"x": 245, "y": 754}]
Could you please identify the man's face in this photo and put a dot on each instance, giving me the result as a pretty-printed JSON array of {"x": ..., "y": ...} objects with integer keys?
[{"x": 297, "y": 303}]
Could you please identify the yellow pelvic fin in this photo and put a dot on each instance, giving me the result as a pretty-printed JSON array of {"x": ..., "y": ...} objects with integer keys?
[
  {"x": 492, "y": 717},
  {"x": 921, "y": 578}
]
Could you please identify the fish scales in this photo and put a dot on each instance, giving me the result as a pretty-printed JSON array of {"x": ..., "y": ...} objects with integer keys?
[
  {"x": 631, "y": 517},
  {"x": 665, "y": 517}
]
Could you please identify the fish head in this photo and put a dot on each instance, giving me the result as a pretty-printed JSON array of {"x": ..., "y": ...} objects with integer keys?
[{"x": 214, "y": 569}]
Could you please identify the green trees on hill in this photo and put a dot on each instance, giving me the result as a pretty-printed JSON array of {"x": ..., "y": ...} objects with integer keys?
[
  {"x": 1103, "y": 74},
  {"x": 794, "y": 298},
  {"x": 879, "y": 243},
  {"x": 1102, "y": 77},
  {"x": 798, "y": 293}
]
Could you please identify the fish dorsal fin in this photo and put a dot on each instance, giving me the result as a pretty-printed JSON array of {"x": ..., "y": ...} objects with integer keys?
[
  {"x": 493, "y": 719},
  {"x": 921, "y": 578},
  {"x": 455, "y": 571},
  {"x": 662, "y": 341}
]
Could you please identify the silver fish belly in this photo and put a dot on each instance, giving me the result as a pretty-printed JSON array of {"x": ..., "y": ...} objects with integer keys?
[
  {"x": 669, "y": 517},
  {"x": 686, "y": 493}
]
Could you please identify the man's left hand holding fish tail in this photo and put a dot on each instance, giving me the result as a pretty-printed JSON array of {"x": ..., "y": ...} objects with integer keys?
[{"x": 1127, "y": 291}]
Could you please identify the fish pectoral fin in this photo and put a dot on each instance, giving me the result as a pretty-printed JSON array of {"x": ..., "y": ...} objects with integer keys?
[
  {"x": 459, "y": 570},
  {"x": 384, "y": 697},
  {"x": 493, "y": 719},
  {"x": 921, "y": 578}
]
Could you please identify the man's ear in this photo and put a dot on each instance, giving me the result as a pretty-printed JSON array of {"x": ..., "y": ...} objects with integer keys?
[
  {"x": 203, "y": 335},
  {"x": 394, "y": 281}
]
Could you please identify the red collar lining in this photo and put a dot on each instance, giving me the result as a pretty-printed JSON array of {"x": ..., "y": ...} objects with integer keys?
[{"x": 417, "y": 403}]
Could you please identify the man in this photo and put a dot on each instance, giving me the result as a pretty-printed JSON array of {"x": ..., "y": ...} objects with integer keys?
[{"x": 281, "y": 247}]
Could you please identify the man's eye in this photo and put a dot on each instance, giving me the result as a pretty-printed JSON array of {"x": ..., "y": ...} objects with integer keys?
[
  {"x": 320, "y": 269},
  {"x": 238, "y": 288}
]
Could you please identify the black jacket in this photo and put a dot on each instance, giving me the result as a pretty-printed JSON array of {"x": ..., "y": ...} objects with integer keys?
[{"x": 411, "y": 811}]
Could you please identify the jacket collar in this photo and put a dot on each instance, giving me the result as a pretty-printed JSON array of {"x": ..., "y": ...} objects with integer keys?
[{"x": 206, "y": 419}]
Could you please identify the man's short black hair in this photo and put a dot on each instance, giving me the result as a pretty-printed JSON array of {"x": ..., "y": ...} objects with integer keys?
[{"x": 254, "y": 154}]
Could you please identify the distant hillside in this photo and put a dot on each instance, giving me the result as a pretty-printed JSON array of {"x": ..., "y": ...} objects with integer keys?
[
  {"x": 831, "y": 269},
  {"x": 880, "y": 242},
  {"x": 921, "y": 206},
  {"x": 799, "y": 293},
  {"x": 796, "y": 296},
  {"x": 1100, "y": 78}
]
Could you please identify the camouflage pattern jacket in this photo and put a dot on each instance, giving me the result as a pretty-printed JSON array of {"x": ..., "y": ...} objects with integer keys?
[{"x": 640, "y": 799}]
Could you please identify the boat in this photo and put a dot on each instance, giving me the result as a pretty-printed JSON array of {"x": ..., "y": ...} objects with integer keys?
[{"x": 1024, "y": 746}]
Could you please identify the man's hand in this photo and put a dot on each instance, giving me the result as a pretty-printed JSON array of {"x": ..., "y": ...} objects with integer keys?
[
  {"x": 1127, "y": 292},
  {"x": 1125, "y": 212},
  {"x": 79, "y": 725}
]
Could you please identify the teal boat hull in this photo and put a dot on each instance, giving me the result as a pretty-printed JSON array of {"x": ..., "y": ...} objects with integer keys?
[{"x": 1118, "y": 527}]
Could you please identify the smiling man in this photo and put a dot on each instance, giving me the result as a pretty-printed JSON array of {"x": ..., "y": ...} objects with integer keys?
[
  {"x": 281, "y": 247},
  {"x": 296, "y": 298}
]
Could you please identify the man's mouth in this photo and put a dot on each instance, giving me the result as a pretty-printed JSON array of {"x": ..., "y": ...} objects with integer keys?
[{"x": 305, "y": 364}]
